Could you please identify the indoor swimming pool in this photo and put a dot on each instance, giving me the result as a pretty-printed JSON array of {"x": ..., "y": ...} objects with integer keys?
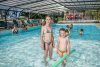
[{"x": 23, "y": 49}]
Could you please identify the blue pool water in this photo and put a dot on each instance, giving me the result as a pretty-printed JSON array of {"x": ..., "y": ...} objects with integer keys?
[{"x": 23, "y": 49}]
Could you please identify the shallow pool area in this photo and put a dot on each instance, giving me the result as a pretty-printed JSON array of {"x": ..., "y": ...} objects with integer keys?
[{"x": 23, "y": 49}]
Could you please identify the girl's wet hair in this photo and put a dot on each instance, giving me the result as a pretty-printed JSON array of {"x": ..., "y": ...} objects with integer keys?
[
  {"x": 47, "y": 16},
  {"x": 43, "y": 23}
]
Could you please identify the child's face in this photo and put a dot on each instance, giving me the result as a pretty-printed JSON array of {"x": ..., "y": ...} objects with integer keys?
[
  {"x": 62, "y": 33},
  {"x": 48, "y": 20}
]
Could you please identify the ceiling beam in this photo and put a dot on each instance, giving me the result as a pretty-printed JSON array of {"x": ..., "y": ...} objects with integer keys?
[
  {"x": 80, "y": 1},
  {"x": 59, "y": 3},
  {"x": 74, "y": 4},
  {"x": 3, "y": 0},
  {"x": 29, "y": 2},
  {"x": 62, "y": 3},
  {"x": 42, "y": 5},
  {"x": 13, "y": 7},
  {"x": 49, "y": 10},
  {"x": 45, "y": 8},
  {"x": 83, "y": 4},
  {"x": 67, "y": 5}
]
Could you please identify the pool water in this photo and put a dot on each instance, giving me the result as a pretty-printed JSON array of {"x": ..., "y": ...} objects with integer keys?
[{"x": 23, "y": 49}]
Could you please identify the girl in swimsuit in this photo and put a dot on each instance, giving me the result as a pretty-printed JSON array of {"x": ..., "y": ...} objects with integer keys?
[
  {"x": 47, "y": 39},
  {"x": 63, "y": 46}
]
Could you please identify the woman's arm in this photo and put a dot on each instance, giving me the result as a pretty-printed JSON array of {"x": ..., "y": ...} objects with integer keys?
[
  {"x": 41, "y": 37},
  {"x": 52, "y": 38}
]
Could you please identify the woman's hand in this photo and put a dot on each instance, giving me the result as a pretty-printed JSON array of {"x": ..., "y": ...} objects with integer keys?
[
  {"x": 42, "y": 46},
  {"x": 56, "y": 49},
  {"x": 53, "y": 45}
]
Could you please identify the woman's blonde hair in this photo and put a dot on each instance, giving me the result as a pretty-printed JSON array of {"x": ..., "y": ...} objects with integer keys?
[{"x": 43, "y": 23}]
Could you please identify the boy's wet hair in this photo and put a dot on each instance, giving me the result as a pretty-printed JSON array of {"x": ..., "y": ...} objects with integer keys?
[{"x": 62, "y": 29}]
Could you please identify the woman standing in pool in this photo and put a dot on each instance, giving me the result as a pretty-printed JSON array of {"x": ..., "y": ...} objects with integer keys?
[{"x": 47, "y": 39}]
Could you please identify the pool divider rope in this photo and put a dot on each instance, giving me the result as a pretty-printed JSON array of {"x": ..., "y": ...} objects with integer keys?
[{"x": 62, "y": 59}]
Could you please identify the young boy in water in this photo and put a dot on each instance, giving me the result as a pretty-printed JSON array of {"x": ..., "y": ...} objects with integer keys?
[{"x": 63, "y": 46}]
